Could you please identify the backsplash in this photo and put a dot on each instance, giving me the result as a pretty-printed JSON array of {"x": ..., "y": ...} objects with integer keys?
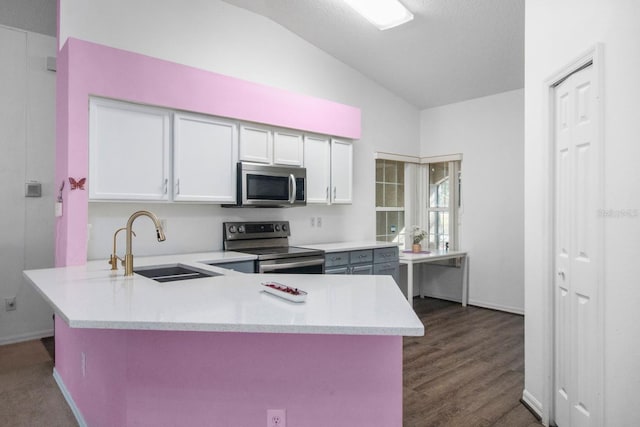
[{"x": 198, "y": 228}]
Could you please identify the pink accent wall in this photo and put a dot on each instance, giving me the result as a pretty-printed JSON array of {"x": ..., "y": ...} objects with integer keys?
[
  {"x": 163, "y": 378},
  {"x": 86, "y": 69}
]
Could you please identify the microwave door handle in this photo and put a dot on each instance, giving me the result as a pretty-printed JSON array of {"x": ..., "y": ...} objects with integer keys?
[{"x": 292, "y": 189}]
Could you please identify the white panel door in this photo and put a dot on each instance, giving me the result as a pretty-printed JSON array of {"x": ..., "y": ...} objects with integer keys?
[
  {"x": 256, "y": 144},
  {"x": 128, "y": 151},
  {"x": 204, "y": 159},
  {"x": 317, "y": 161},
  {"x": 341, "y": 172},
  {"x": 576, "y": 237},
  {"x": 287, "y": 147}
]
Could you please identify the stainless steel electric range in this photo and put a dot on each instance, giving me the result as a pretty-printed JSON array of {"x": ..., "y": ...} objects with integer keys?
[{"x": 270, "y": 242}]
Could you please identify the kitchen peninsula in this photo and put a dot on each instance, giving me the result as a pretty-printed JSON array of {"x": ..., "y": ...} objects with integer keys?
[{"x": 219, "y": 351}]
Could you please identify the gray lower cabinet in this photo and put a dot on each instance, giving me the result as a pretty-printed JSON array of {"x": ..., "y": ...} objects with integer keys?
[
  {"x": 241, "y": 266},
  {"x": 383, "y": 261}
]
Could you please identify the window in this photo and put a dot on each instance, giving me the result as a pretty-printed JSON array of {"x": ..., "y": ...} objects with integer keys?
[
  {"x": 390, "y": 189},
  {"x": 432, "y": 188},
  {"x": 442, "y": 204}
]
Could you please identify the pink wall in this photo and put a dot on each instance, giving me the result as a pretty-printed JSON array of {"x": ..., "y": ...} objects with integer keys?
[
  {"x": 86, "y": 69},
  {"x": 165, "y": 378}
]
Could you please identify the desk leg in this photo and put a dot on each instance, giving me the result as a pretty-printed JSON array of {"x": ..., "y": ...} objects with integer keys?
[
  {"x": 465, "y": 281},
  {"x": 410, "y": 283}
]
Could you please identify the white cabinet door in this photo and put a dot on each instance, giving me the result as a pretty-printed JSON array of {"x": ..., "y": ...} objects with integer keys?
[
  {"x": 317, "y": 160},
  {"x": 128, "y": 151},
  {"x": 256, "y": 143},
  {"x": 341, "y": 172},
  {"x": 204, "y": 159},
  {"x": 287, "y": 147}
]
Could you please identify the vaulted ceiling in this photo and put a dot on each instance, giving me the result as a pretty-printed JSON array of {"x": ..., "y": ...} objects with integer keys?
[{"x": 452, "y": 51}]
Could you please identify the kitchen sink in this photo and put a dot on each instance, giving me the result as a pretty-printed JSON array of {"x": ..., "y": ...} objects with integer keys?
[{"x": 172, "y": 273}]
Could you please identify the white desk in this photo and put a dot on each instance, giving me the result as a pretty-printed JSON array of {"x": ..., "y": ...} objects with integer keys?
[{"x": 411, "y": 259}]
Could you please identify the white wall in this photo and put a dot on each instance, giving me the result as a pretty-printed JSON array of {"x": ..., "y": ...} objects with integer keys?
[
  {"x": 27, "y": 144},
  {"x": 488, "y": 132},
  {"x": 557, "y": 33},
  {"x": 213, "y": 35}
]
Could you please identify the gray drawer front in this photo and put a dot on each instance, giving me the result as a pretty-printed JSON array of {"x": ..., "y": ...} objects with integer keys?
[
  {"x": 361, "y": 257},
  {"x": 336, "y": 259},
  {"x": 362, "y": 269},
  {"x": 339, "y": 270},
  {"x": 241, "y": 266},
  {"x": 388, "y": 269},
  {"x": 385, "y": 254}
]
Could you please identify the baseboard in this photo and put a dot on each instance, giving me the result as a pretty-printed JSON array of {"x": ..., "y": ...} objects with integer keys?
[
  {"x": 26, "y": 337},
  {"x": 532, "y": 404},
  {"x": 483, "y": 304},
  {"x": 444, "y": 297},
  {"x": 69, "y": 399}
]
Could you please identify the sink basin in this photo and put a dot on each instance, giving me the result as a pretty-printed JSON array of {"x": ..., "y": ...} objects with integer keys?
[{"x": 172, "y": 273}]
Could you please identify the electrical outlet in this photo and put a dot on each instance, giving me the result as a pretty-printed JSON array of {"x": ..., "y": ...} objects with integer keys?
[
  {"x": 10, "y": 304},
  {"x": 276, "y": 418},
  {"x": 313, "y": 221},
  {"x": 319, "y": 222}
]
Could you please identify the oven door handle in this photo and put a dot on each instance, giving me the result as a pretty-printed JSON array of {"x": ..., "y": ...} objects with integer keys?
[
  {"x": 292, "y": 189},
  {"x": 265, "y": 268}
]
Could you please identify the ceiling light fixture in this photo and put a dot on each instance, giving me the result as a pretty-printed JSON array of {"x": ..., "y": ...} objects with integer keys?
[{"x": 384, "y": 14}]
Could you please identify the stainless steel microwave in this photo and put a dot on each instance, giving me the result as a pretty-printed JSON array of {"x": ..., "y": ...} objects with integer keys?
[{"x": 271, "y": 186}]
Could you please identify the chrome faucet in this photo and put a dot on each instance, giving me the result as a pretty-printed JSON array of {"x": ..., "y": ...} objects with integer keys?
[{"x": 128, "y": 257}]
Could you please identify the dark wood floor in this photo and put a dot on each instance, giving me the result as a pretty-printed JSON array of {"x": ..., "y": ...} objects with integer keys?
[{"x": 467, "y": 370}]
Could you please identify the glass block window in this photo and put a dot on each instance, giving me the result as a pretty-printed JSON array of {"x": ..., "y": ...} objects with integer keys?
[{"x": 390, "y": 186}]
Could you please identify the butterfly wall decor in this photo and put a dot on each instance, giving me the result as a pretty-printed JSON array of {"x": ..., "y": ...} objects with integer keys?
[{"x": 77, "y": 185}]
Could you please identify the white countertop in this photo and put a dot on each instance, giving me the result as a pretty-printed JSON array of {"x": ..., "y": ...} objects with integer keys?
[
  {"x": 350, "y": 246},
  {"x": 432, "y": 255},
  {"x": 91, "y": 296}
]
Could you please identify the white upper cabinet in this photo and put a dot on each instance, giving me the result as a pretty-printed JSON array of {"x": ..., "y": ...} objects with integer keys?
[
  {"x": 287, "y": 147},
  {"x": 256, "y": 143},
  {"x": 128, "y": 151},
  {"x": 205, "y": 153},
  {"x": 272, "y": 146},
  {"x": 341, "y": 172},
  {"x": 317, "y": 155}
]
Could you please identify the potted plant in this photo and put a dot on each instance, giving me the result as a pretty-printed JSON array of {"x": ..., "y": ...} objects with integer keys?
[{"x": 418, "y": 236}]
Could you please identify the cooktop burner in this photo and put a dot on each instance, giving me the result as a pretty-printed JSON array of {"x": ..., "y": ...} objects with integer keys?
[{"x": 282, "y": 252}]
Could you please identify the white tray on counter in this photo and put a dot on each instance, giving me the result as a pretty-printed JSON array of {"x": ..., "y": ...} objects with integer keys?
[{"x": 283, "y": 291}]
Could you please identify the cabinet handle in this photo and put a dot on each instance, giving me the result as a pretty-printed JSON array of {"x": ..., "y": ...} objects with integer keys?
[
  {"x": 334, "y": 192},
  {"x": 327, "y": 193},
  {"x": 363, "y": 256},
  {"x": 178, "y": 186},
  {"x": 165, "y": 185}
]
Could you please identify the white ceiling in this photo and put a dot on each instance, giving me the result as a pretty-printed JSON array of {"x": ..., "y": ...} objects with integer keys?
[{"x": 453, "y": 50}]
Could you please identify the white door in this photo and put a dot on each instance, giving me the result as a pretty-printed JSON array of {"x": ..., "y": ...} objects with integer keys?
[
  {"x": 576, "y": 240},
  {"x": 256, "y": 143},
  {"x": 317, "y": 161},
  {"x": 341, "y": 172},
  {"x": 205, "y": 156},
  {"x": 128, "y": 151},
  {"x": 287, "y": 147}
]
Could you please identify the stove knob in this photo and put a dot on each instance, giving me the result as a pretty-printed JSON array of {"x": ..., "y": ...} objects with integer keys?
[
  {"x": 277, "y": 227},
  {"x": 233, "y": 229},
  {"x": 284, "y": 227},
  {"x": 241, "y": 229}
]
